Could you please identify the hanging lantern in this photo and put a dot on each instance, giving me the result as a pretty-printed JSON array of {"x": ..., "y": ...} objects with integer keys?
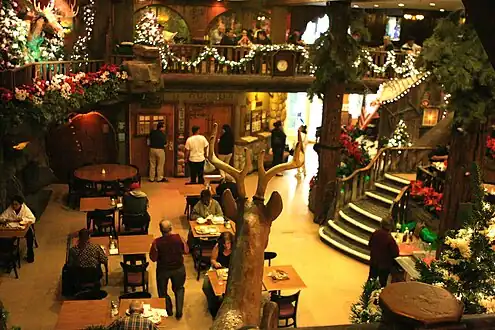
[{"x": 430, "y": 116}]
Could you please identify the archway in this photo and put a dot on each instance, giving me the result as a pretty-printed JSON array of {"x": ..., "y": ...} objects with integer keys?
[
  {"x": 171, "y": 21},
  {"x": 237, "y": 20},
  {"x": 86, "y": 139}
]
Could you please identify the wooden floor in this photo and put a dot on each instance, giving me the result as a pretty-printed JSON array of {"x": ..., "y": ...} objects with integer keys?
[{"x": 333, "y": 280}]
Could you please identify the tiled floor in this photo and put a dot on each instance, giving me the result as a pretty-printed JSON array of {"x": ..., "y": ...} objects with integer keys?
[{"x": 333, "y": 280}]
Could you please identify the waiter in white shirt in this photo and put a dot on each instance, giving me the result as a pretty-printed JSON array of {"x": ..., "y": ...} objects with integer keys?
[
  {"x": 196, "y": 148},
  {"x": 19, "y": 212}
]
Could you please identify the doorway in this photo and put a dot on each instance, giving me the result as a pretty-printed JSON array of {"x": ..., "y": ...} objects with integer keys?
[
  {"x": 205, "y": 115},
  {"x": 142, "y": 122}
]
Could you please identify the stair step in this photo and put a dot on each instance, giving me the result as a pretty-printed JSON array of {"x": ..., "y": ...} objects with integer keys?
[
  {"x": 357, "y": 234},
  {"x": 358, "y": 220},
  {"x": 334, "y": 240},
  {"x": 400, "y": 181},
  {"x": 387, "y": 187},
  {"x": 380, "y": 197},
  {"x": 372, "y": 206}
]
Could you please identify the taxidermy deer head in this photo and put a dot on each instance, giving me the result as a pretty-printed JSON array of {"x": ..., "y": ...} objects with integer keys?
[
  {"x": 242, "y": 303},
  {"x": 56, "y": 14}
]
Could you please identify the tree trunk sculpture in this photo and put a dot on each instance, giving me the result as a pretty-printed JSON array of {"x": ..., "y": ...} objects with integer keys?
[{"x": 242, "y": 303}]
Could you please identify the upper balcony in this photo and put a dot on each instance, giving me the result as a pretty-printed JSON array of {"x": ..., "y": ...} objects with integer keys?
[{"x": 193, "y": 67}]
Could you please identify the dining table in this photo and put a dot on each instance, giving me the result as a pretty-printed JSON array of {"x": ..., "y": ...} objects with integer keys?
[
  {"x": 80, "y": 314},
  {"x": 90, "y": 204},
  {"x": 218, "y": 228},
  {"x": 8, "y": 232},
  {"x": 155, "y": 303},
  {"x": 293, "y": 282},
  {"x": 135, "y": 244},
  {"x": 101, "y": 173}
]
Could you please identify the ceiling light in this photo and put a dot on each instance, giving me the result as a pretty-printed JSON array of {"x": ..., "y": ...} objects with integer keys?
[
  {"x": 401, "y": 5},
  {"x": 356, "y": 6},
  {"x": 442, "y": 10},
  {"x": 408, "y": 16},
  {"x": 420, "y": 17},
  {"x": 432, "y": 4},
  {"x": 376, "y": 6}
]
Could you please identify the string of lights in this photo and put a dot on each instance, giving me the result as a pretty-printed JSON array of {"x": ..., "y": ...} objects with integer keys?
[
  {"x": 403, "y": 91},
  {"x": 80, "y": 50},
  {"x": 407, "y": 68}
]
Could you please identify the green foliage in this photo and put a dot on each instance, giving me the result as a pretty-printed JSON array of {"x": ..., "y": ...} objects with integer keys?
[
  {"x": 367, "y": 309},
  {"x": 456, "y": 57},
  {"x": 466, "y": 266}
]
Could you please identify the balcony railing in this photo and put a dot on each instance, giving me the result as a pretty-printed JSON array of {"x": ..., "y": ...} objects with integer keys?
[{"x": 261, "y": 64}]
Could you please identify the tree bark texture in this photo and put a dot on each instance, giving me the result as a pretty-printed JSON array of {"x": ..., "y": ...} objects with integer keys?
[
  {"x": 466, "y": 147},
  {"x": 329, "y": 157}
]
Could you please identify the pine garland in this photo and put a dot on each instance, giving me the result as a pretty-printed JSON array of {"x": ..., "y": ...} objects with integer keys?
[{"x": 367, "y": 309}]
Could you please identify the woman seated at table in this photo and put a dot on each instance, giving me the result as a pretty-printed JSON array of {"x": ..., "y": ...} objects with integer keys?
[
  {"x": 206, "y": 207},
  {"x": 135, "y": 202},
  {"x": 19, "y": 212},
  {"x": 220, "y": 258}
]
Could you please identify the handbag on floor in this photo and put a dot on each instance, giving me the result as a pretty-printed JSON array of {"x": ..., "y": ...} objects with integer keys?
[{"x": 209, "y": 167}]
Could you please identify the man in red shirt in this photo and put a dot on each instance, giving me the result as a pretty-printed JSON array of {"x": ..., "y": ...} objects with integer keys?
[
  {"x": 384, "y": 250},
  {"x": 168, "y": 251}
]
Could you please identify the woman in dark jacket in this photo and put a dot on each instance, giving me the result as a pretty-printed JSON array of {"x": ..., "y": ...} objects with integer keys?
[
  {"x": 278, "y": 143},
  {"x": 225, "y": 146}
]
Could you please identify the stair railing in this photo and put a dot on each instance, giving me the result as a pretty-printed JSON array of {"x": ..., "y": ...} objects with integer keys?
[
  {"x": 388, "y": 159},
  {"x": 399, "y": 207}
]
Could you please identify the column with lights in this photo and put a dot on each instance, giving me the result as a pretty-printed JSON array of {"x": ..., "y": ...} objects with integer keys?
[{"x": 80, "y": 50}]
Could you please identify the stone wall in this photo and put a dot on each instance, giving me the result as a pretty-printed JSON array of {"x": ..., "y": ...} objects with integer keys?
[
  {"x": 254, "y": 146},
  {"x": 278, "y": 108}
]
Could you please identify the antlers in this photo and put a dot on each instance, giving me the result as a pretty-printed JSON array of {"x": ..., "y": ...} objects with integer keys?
[
  {"x": 70, "y": 11},
  {"x": 238, "y": 175},
  {"x": 263, "y": 176}
]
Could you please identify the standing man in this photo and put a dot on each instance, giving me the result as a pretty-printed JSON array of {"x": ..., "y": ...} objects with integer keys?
[
  {"x": 157, "y": 143},
  {"x": 168, "y": 251},
  {"x": 196, "y": 149},
  {"x": 384, "y": 250},
  {"x": 278, "y": 139}
]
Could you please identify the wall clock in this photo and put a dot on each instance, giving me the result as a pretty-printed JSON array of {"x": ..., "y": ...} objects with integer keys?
[{"x": 284, "y": 63}]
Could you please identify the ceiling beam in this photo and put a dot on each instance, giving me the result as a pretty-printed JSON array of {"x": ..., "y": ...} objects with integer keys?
[{"x": 480, "y": 14}]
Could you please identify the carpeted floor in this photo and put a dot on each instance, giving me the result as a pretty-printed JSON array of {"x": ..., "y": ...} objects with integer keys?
[{"x": 334, "y": 281}]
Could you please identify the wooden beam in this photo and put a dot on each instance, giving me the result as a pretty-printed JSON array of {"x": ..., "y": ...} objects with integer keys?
[{"x": 480, "y": 14}]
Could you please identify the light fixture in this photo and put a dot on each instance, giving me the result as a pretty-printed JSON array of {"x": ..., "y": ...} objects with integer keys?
[
  {"x": 356, "y": 6},
  {"x": 432, "y": 4},
  {"x": 401, "y": 5},
  {"x": 408, "y": 16},
  {"x": 376, "y": 6},
  {"x": 420, "y": 17},
  {"x": 21, "y": 145},
  {"x": 442, "y": 10}
]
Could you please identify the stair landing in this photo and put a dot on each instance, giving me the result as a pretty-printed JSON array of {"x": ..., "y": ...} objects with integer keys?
[{"x": 406, "y": 176}]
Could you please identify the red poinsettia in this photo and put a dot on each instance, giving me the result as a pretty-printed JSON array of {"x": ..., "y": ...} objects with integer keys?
[
  {"x": 490, "y": 145},
  {"x": 430, "y": 198}
]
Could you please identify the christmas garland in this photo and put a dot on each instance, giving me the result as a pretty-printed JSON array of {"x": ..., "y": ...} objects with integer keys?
[
  {"x": 45, "y": 102},
  {"x": 367, "y": 309},
  {"x": 80, "y": 51}
]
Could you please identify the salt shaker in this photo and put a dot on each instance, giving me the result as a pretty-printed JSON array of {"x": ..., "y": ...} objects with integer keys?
[{"x": 115, "y": 308}]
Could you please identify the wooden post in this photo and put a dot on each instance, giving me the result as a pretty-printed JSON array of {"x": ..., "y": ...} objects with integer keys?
[{"x": 329, "y": 155}]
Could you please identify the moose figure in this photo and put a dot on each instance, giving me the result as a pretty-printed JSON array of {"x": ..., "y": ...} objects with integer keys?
[{"x": 242, "y": 303}]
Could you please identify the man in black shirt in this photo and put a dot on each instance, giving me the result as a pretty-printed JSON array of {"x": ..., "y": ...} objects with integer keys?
[
  {"x": 227, "y": 183},
  {"x": 157, "y": 143}
]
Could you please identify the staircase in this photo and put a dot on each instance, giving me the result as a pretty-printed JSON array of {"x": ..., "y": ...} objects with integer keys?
[
  {"x": 351, "y": 230},
  {"x": 369, "y": 195}
]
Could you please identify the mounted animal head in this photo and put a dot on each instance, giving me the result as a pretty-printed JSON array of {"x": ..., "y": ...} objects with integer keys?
[
  {"x": 58, "y": 13},
  {"x": 256, "y": 211}
]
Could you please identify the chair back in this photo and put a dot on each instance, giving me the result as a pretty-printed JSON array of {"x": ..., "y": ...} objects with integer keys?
[
  {"x": 134, "y": 269},
  {"x": 292, "y": 299},
  {"x": 269, "y": 256},
  {"x": 136, "y": 223},
  {"x": 91, "y": 295},
  {"x": 136, "y": 295}
]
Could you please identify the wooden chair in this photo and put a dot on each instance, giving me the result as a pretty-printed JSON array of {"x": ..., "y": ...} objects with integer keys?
[
  {"x": 91, "y": 295},
  {"x": 10, "y": 255},
  {"x": 190, "y": 202},
  {"x": 135, "y": 223},
  {"x": 202, "y": 253},
  {"x": 287, "y": 306},
  {"x": 103, "y": 221},
  {"x": 269, "y": 256},
  {"x": 135, "y": 276},
  {"x": 135, "y": 295}
]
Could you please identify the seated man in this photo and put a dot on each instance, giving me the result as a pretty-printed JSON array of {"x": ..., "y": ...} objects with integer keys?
[
  {"x": 19, "y": 212},
  {"x": 135, "y": 320},
  {"x": 206, "y": 206},
  {"x": 135, "y": 202},
  {"x": 227, "y": 183},
  {"x": 87, "y": 255}
]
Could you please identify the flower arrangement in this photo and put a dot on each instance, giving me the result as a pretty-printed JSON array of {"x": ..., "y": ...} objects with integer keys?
[
  {"x": 490, "y": 147},
  {"x": 367, "y": 309},
  {"x": 353, "y": 153},
  {"x": 466, "y": 266},
  {"x": 431, "y": 199},
  {"x": 50, "y": 101}
]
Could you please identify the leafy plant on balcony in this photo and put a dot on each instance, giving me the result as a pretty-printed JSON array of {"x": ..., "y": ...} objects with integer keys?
[{"x": 45, "y": 102}]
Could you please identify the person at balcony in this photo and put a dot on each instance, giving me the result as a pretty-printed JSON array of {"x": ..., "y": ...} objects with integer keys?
[
  {"x": 225, "y": 146},
  {"x": 278, "y": 139},
  {"x": 387, "y": 44},
  {"x": 384, "y": 250},
  {"x": 196, "y": 149},
  {"x": 295, "y": 38},
  {"x": 411, "y": 47},
  {"x": 19, "y": 212},
  {"x": 157, "y": 142},
  {"x": 168, "y": 252},
  {"x": 206, "y": 207},
  {"x": 220, "y": 258},
  {"x": 244, "y": 40},
  {"x": 229, "y": 38},
  {"x": 217, "y": 34},
  {"x": 262, "y": 38}
]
